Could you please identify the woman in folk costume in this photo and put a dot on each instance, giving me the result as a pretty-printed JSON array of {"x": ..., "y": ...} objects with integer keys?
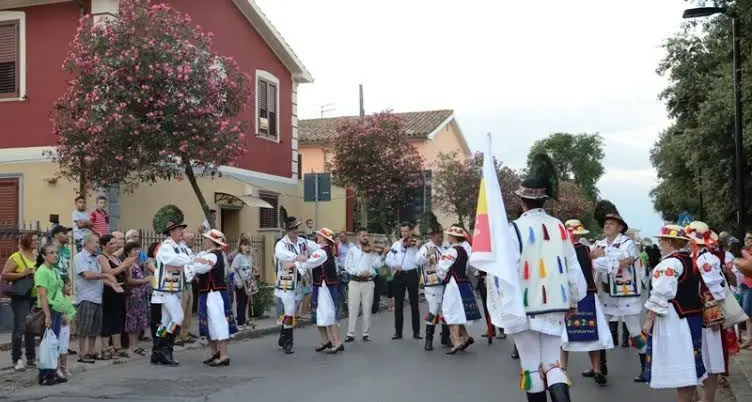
[
  {"x": 458, "y": 302},
  {"x": 619, "y": 272},
  {"x": 551, "y": 285},
  {"x": 290, "y": 248},
  {"x": 323, "y": 267},
  {"x": 213, "y": 302},
  {"x": 673, "y": 323},
  {"x": 428, "y": 258},
  {"x": 587, "y": 331},
  {"x": 713, "y": 288}
]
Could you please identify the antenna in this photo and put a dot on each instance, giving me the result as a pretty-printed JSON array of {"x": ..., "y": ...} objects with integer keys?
[{"x": 329, "y": 107}]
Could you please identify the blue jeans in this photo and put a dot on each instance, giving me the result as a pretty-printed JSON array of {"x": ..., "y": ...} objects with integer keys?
[
  {"x": 57, "y": 319},
  {"x": 746, "y": 293}
]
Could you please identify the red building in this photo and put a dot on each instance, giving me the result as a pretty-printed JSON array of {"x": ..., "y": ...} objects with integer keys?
[{"x": 34, "y": 38}]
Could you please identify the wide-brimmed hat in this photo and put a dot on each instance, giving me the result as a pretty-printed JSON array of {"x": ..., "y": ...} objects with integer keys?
[
  {"x": 533, "y": 189},
  {"x": 216, "y": 236},
  {"x": 292, "y": 223},
  {"x": 170, "y": 226},
  {"x": 700, "y": 233},
  {"x": 617, "y": 218},
  {"x": 457, "y": 231},
  {"x": 326, "y": 233},
  {"x": 672, "y": 232},
  {"x": 576, "y": 227}
]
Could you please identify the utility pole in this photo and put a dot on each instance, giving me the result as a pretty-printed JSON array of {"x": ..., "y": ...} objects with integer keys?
[{"x": 362, "y": 104}]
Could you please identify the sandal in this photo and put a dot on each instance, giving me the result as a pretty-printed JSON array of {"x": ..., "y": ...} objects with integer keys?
[
  {"x": 122, "y": 353},
  {"x": 88, "y": 359},
  {"x": 140, "y": 351},
  {"x": 104, "y": 355}
]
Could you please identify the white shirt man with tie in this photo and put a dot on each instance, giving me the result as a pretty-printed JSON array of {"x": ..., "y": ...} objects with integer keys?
[
  {"x": 402, "y": 259},
  {"x": 360, "y": 264}
]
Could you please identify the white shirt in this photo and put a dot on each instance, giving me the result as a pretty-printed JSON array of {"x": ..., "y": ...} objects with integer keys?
[
  {"x": 402, "y": 257},
  {"x": 167, "y": 256},
  {"x": 357, "y": 262}
]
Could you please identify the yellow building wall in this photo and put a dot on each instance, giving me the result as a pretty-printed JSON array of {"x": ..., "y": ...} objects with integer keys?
[{"x": 313, "y": 158}]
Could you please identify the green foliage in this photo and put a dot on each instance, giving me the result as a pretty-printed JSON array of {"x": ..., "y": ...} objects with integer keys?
[
  {"x": 577, "y": 158},
  {"x": 603, "y": 208},
  {"x": 541, "y": 166},
  {"x": 263, "y": 300},
  {"x": 165, "y": 215}
]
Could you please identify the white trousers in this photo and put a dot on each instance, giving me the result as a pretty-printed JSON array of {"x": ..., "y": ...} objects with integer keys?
[
  {"x": 434, "y": 296},
  {"x": 172, "y": 313},
  {"x": 539, "y": 356},
  {"x": 359, "y": 295},
  {"x": 634, "y": 327}
]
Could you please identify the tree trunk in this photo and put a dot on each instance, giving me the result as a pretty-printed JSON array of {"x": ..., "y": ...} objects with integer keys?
[
  {"x": 197, "y": 190},
  {"x": 82, "y": 179},
  {"x": 363, "y": 212}
]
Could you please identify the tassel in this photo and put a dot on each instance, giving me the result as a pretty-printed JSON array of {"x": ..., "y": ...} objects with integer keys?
[
  {"x": 542, "y": 269},
  {"x": 543, "y": 290},
  {"x": 564, "y": 233},
  {"x": 564, "y": 294},
  {"x": 561, "y": 266},
  {"x": 524, "y": 298},
  {"x": 526, "y": 271},
  {"x": 545, "y": 233},
  {"x": 531, "y": 236},
  {"x": 525, "y": 381}
]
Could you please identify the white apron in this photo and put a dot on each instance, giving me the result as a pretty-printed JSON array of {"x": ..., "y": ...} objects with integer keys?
[{"x": 219, "y": 328}]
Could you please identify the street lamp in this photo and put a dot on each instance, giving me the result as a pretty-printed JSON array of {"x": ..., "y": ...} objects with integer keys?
[{"x": 740, "y": 162}]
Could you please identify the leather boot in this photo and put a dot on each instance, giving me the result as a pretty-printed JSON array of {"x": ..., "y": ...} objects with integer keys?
[
  {"x": 429, "y": 336},
  {"x": 625, "y": 336},
  {"x": 288, "y": 341},
  {"x": 156, "y": 350},
  {"x": 536, "y": 397},
  {"x": 641, "y": 377},
  {"x": 559, "y": 392},
  {"x": 445, "y": 340},
  {"x": 281, "y": 341},
  {"x": 604, "y": 366},
  {"x": 516, "y": 354},
  {"x": 613, "y": 326},
  {"x": 168, "y": 350}
]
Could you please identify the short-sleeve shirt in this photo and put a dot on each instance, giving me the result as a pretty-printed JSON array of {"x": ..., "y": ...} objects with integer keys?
[
  {"x": 63, "y": 262},
  {"x": 100, "y": 221},
  {"x": 50, "y": 280},
  {"x": 87, "y": 290},
  {"x": 79, "y": 233}
]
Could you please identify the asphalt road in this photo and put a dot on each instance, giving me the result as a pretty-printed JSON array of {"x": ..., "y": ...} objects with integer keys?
[{"x": 381, "y": 370}]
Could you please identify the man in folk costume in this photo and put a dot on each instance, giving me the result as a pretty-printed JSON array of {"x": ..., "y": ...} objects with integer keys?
[
  {"x": 620, "y": 273},
  {"x": 713, "y": 288},
  {"x": 172, "y": 257},
  {"x": 458, "y": 305},
  {"x": 290, "y": 248},
  {"x": 587, "y": 331},
  {"x": 551, "y": 286},
  {"x": 428, "y": 258}
]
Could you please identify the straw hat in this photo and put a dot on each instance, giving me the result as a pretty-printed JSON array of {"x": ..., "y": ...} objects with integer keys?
[
  {"x": 216, "y": 236},
  {"x": 327, "y": 234},
  {"x": 457, "y": 231},
  {"x": 700, "y": 233},
  {"x": 672, "y": 232},
  {"x": 576, "y": 227}
]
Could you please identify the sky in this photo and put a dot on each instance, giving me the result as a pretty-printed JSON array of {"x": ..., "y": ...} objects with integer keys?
[{"x": 519, "y": 70}]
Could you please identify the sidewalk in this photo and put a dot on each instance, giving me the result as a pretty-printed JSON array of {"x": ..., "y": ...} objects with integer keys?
[{"x": 740, "y": 378}]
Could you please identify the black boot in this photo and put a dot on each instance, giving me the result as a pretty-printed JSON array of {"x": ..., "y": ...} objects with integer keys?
[
  {"x": 559, "y": 392},
  {"x": 536, "y": 397},
  {"x": 516, "y": 354},
  {"x": 445, "y": 341},
  {"x": 613, "y": 326},
  {"x": 624, "y": 336},
  {"x": 288, "y": 341},
  {"x": 604, "y": 366},
  {"x": 156, "y": 350},
  {"x": 281, "y": 341},
  {"x": 169, "y": 347},
  {"x": 641, "y": 377},
  {"x": 429, "y": 336}
]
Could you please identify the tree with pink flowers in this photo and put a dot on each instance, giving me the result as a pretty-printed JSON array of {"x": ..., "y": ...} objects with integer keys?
[
  {"x": 149, "y": 100},
  {"x": 372, "y": 156}
]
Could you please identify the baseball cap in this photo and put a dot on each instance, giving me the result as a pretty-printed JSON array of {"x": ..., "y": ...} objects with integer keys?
[{"x": 59, "y": 229}]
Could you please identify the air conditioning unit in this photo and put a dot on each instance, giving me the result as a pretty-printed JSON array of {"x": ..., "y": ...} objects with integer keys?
[{"x": 264, "y": 124}]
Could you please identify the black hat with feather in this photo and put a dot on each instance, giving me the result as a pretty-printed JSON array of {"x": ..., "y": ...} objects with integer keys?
[
  {"x": 605, "y": 210},
  {"x": 542, "y": 182}
]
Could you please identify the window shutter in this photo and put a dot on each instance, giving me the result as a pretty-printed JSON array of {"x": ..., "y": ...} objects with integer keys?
[
  {"x": 262, "y": 106},
  {"x": 269, "y": 217},
  {"x": 272, "y": 109},
  {"x": 9, "y": 44}
]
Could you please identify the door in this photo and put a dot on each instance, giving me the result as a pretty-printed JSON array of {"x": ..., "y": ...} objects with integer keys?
[
  {"x": 9, "y": 198},
  {"x": 230, "y": 225}
]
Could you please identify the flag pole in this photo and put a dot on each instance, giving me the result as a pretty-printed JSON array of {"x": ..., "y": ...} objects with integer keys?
[{"x": 489, "y": 325}]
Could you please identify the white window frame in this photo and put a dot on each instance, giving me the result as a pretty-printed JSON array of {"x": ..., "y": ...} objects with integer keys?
[
  {"x": 269, "y": 77},
  {"x": 19, "y": 16}
]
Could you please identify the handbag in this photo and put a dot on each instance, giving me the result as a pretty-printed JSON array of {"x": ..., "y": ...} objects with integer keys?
[
  {"x": 35, "y": 322},
  {"x": 732, "y": 310},
  {"x": 251, "y": 287},
  {"x": 20, "y": 287},
  {"x": 711, "y": 310}
]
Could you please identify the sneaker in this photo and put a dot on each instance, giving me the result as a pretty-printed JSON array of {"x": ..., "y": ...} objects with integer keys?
[{"x": 20, "y": 365}]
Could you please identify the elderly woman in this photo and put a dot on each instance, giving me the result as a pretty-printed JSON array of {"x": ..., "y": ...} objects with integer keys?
[{"x": 673, "y": 324}]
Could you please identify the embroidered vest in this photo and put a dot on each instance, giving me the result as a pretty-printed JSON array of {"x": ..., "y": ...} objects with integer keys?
[
  {"x": 287, "y": 279},
  {"x": 215, "y": 278},
  {"x": 687, "y": 301},
  {"x": 583, "y": 257},
  {"x": 458, "y": 270},
  {"x": 626, "y": 282},
  {"x": 327, "y": 271},
  {"x": 430, "y": 275},
  {"x": 543, "y": 266},
  {"x": 168, "y": 281}
]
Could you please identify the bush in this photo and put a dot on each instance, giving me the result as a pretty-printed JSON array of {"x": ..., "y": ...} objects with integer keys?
[{"x": 262, "y": 300}]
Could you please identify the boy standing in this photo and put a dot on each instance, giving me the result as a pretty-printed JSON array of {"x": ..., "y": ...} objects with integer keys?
[
  {"x": 100, "y": 219},
  {"x": 81, "y": 222}
]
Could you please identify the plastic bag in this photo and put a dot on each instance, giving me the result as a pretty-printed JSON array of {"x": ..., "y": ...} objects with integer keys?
[{"x": 49, "y": 351}]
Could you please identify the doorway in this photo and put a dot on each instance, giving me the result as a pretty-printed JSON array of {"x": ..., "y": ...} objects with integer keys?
[{"x": 230, "y": 225}]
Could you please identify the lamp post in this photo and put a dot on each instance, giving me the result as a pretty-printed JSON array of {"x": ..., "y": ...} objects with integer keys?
[{"x": 740, "y": 162}]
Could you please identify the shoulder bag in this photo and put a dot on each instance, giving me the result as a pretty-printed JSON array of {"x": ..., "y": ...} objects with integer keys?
[{"x": 20, "y": 287}]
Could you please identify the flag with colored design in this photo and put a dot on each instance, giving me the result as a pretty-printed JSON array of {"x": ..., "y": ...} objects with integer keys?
[{"x": 493, "y": 246}]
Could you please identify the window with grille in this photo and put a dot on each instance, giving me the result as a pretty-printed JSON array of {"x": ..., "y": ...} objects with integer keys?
[
  {"x": 268, "y": 109},
  {"x": 9, "y": 59},
  {"x": 269, "y": 217}
]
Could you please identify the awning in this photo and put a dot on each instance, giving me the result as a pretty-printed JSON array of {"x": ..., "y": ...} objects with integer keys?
[
  {"x": 238, "y": 201},
  {"x": 252, "y": 201}
]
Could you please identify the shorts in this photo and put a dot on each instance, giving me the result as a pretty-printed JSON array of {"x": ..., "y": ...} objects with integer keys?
[{"x": 89, "y": 319}]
